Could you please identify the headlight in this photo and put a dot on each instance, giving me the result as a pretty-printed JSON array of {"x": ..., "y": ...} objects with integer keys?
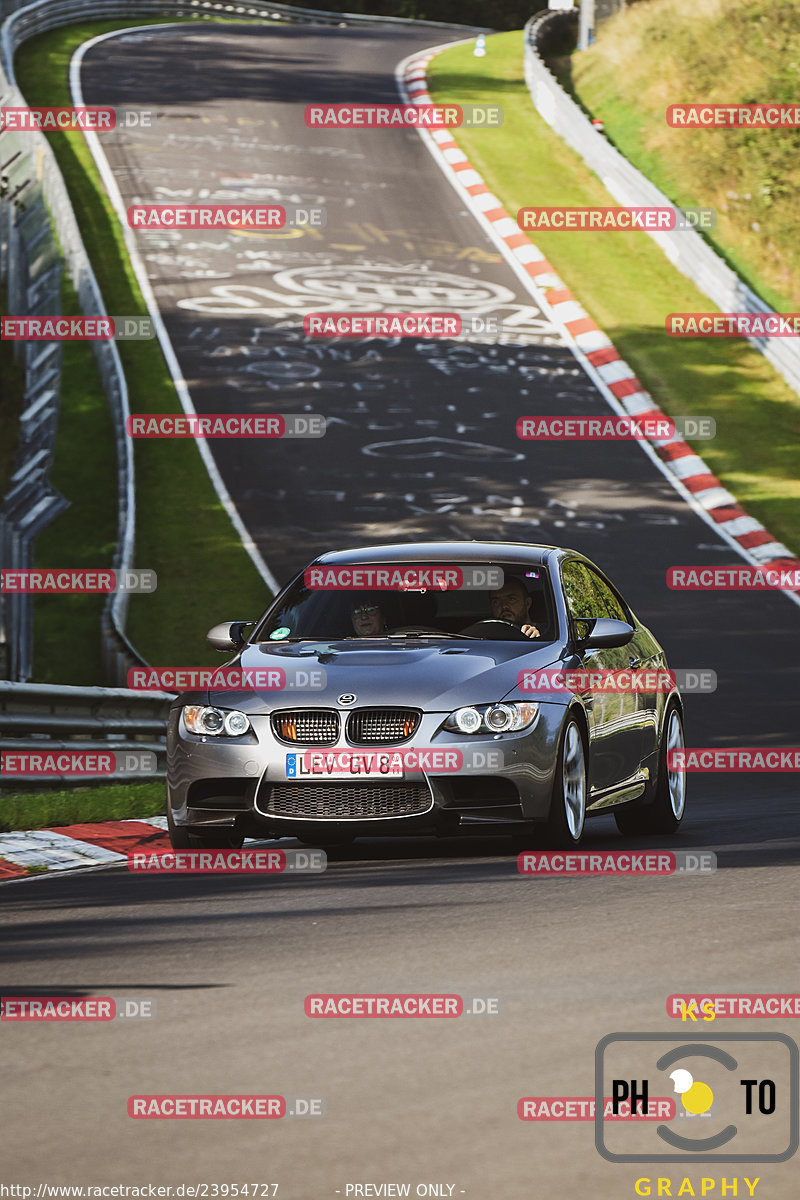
[
  {"x": 465, "y": 720},
  {"x": 236, "y": 723},
  {"x": 492, "y": 718},
  {"x": 500, "y": 717},
  {"x": 214, "y": 722}
]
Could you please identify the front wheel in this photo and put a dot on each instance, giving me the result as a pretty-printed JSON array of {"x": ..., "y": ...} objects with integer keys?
[
  {"x": 665, "y": 813},
  {"x": 568, "y": 804}
]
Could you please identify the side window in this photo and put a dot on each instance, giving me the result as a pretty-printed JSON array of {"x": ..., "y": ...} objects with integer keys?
[
  {"x": 583, "y": 602},
  {"x": 611, "y": 602}
]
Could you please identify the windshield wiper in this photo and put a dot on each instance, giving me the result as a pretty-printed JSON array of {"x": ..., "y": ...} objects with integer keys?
[
  {"x": 426, "y": 634},
  {"x": 284, "y": 641},
  {"x": 391, "y": 636}
]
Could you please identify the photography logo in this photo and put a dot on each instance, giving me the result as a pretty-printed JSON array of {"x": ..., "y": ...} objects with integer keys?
[{"x": 736, "y": 1097}]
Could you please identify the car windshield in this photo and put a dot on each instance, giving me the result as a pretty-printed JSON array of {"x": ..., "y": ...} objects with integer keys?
[{"x": 525, "y": 598}]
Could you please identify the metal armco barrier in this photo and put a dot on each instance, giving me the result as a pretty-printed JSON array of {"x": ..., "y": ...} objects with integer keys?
[
  {"x": 31, "y": 265},
  {"x": 32, "y": 502},
  {"x": 47, "y": 719},
  {"x": 687, "y": 250}
]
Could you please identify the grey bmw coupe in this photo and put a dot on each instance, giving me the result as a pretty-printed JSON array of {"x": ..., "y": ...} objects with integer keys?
[{"x": 442, "y": 687}]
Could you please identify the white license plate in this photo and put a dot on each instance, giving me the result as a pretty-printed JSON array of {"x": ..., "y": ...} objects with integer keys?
[{"x": 344, "y": 764}]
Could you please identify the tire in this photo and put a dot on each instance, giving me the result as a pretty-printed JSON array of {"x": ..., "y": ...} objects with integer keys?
[
  {"x": 665, "y": 812},
  {"x": 182, "y": 838},
  {"x": 567, "y": 817}
]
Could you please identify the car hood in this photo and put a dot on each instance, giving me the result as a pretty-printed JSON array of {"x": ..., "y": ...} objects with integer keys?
[{"x": 437, "y": 677}]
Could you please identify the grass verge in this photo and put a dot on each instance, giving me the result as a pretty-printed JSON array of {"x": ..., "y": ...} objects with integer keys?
[
  {"x": 629, "y": 287},
  {"x": 66, "y": 629},
  {"x": 44, "y": 810},
  {"x": 182, "y": 530},
  {"x": 720, "y": 52}
]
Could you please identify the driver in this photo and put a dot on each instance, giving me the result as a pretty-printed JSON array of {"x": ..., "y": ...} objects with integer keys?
[
  {"x": 367, "y": 617},
  {"x": 512, "y": 602}
]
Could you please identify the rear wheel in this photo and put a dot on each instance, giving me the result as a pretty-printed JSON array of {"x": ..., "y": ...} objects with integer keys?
[
  {"x": 568, "y": 804},
  {"x": 665, "y": 813},
  {"x": 219, "y": 838}
]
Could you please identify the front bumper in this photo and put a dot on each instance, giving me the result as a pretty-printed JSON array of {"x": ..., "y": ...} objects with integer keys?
[{"x": 253, "y": 784}]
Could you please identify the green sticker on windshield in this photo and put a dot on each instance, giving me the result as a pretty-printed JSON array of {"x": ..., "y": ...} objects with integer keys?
[{"x": 278, "y": 635}]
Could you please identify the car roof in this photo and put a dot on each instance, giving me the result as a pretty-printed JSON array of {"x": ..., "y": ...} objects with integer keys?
[{"x": 401, "y": 552}]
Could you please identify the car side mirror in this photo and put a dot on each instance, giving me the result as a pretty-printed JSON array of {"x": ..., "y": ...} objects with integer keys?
[
  {"x": 227, "y": 636},
  {"x": 606, "y": 633}
]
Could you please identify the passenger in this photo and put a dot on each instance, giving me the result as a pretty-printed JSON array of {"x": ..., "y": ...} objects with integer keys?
[
  {"x": 367, "y": 617},
  {"x": 512, "y": 602}
]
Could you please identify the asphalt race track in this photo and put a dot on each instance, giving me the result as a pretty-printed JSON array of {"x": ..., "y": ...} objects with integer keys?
[{"x": 421, "y": 443}]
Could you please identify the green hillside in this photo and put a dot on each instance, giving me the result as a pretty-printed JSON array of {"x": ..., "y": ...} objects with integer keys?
[{"x": 666, "y": 52}]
